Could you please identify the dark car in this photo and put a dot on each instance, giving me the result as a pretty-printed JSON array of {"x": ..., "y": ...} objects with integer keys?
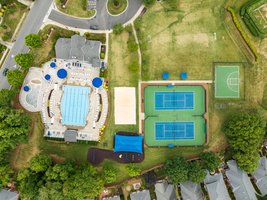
[
  {"x": 94, "y": 27},
  {"x": 5, "y": 71}
]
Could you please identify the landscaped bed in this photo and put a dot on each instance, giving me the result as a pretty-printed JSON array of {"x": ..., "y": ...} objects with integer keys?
[
  {"x": 75, "y": 8},
  {"x": 116, "y": 7}
]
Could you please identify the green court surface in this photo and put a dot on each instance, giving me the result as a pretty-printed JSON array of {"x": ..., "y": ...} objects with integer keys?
[
  {"x": 174, "y": 113},
  {"x": 227, "y": 82}
]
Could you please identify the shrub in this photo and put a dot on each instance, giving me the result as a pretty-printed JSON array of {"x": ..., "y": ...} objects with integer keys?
[
  {"x": 117, "y": 29},
  {"x": 133, "y": 170},
  {"x": 7, "y": 36},
  {"x": 134, "y": 66},
  {"x": 102, "y": 55},
  {"x": 243, "y": 34}
]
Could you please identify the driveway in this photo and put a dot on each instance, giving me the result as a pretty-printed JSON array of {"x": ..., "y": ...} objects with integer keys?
[
  {"x": 103, "y": 20},
  {"x": 31, "y": 24}
]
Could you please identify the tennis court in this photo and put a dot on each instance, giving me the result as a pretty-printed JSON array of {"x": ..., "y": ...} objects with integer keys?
[
  {"x": 227, "y": 82},
  {"x": 174, "y": 100},
  {"x": 174, "y": 130},
  {"x": 174, "y": 115}
]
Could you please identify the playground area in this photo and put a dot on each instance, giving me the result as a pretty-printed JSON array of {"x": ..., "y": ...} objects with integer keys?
[
  {"x": 227, "y": 82},
  {"x": 174, "y": 115}
]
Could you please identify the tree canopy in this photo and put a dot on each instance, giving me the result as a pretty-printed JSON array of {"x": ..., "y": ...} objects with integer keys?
[
  {"x": 196, "y": 173},
  {"x": 33, "y": 40},
  {"x": 110, "y": 173},
  {"x": 25, "y": 60},
  {"x": 176, "y": 169},
  {"x": 15, "y": 78},
  {"x": 40, "y": 163},
  {"x": 133, "y": 170},
  {"x": 245, "y": 132},
  {"x": 6, "y": 97},
  {"x": 210, "y": 161}
]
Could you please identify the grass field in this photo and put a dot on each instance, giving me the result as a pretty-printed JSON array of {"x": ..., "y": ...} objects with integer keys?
[
  {"x": 190, "y": 39},
  {"x": 75, "y": 8},
  {"x": 11, "y": 19},
  {"x": 116, "y": 10}
]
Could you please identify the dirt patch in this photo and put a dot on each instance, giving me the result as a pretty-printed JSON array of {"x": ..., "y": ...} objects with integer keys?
[{"x": 57, "y": 159}]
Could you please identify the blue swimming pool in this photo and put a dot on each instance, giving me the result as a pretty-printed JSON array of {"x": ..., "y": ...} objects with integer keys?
[
  {"x": 174, "y": 100},
  {"x": 75, "y": 105}
]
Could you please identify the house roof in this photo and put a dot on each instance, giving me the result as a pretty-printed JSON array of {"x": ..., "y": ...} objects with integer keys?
[
  {"x": 165, "y": 191},
  {"x": 140, "y": 195},
  {"x": 112, "y": 198},
  {"x": 191, "y": 191},
  {"x": 216, "y": 187},
  {"x": 8, "y": 195},
  {"x": 261, "y": 175},
  {"x": 240, "y": 182},
  {"x": 70, "y": 136},
  {"x": 77, "y": 47}
]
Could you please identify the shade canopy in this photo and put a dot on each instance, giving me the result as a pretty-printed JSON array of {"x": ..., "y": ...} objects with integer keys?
[
  {"x": 183, "y": 75},
  {"x": 165, "y": 75},
  {"x": 97, "y": 82},
  {"x": 62, "y": 73},
  {"x": 47, "y": 77},
  {"x": 53, "y": 64},
  {"x": 26, "y": 88},
  {"x": 125, "y": 143}
]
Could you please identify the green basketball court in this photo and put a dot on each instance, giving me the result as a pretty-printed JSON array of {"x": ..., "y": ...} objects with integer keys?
[{"x": 227, "y": 82}]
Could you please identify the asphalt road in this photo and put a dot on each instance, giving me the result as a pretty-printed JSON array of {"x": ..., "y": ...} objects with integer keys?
[
  {"x": 31, "y": 24},
  {"x": 103, "y": 20}
]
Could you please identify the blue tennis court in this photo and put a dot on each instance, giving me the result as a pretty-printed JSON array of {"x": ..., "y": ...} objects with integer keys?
[
  {"x": 174, "y": 130},
  {"x": 174, "y": 100}
]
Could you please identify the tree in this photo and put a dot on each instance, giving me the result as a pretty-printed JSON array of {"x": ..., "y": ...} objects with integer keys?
[
  {"x": 5, "y": 175},
  {"x": 117, "y": 29},
  {"x": 85, "y": 182},
  {"x": 15, "y": 78},
  {"x": 210, "y": 161},
  {"x": 196, "y": 173},
  {"x": 134, "y": 66},
  {"x": 110, "y": 174},
  {"x": 245, "y": 132},
  {"x": 6, "y": 97},
  {"x": 25, "y": 60},
  {"x": 133, "y": 170},
  {"x": 60, "y": 171},
  {"x": 176, "y": 169},
  {"x": 40, "y": 163},
  {"x": 33, "y": 40}
]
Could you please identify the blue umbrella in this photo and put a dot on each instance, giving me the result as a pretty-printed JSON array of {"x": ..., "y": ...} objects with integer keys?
[
  {"x": 62, "y": 73},
  {"x": 26, "y": 88},
  {"x": 97, "y": 82},
  {"x": 47, "y": 77},
  {"x": 52, "y": 64}
]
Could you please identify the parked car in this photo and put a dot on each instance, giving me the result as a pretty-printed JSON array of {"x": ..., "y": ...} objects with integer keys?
[
  {"x": 94, "y": 27},
  {"x": 5, "y": 71}
]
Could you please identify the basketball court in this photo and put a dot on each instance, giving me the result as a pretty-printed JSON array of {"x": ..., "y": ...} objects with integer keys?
[{"x": 227, "y": 82}]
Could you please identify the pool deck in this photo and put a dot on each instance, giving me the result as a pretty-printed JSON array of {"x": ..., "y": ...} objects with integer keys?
[{"x": 143, "y": 84}]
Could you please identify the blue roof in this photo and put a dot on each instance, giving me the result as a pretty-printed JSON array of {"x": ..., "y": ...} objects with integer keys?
[
  {"x": 26, "y": 88},
  {"x": 97, "y": 82},
  {"x": 75, "y": 105},
  {"x": 62, "y": 73},
  {"x": 128, "y": 144},
  {"x": 52, "y": 64},
  {"x": 165, "y": 75},
  {"x": 47, "y": 77}
]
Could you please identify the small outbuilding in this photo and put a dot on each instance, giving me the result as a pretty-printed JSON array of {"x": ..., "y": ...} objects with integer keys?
[{"x": 70, "y": 136}]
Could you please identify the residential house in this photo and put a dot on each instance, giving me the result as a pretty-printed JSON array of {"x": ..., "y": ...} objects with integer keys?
[
  {"x": 191, "y": 191},
  {"x": 165, "y": 191},
  {"x": 260, "y": 175},
  {"x": 216, "y": 187},
  {"x": 140, "y": 195},
  {"x": 240, "y": 182}
]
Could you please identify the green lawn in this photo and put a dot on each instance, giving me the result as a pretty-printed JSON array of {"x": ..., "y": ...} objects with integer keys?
[
  {"x": 117, "y": 9},
  {"x": 75, "y": 8},
  {"x": 11, "y": 19}
]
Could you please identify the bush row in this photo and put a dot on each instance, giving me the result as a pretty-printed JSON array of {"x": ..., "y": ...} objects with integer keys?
[
  {"x": 251, "y": 25},
  {"x": 243, "y": 34}
]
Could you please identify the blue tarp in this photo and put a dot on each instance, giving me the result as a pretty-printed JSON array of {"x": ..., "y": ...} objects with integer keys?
[{"x": 128, "y": 144}]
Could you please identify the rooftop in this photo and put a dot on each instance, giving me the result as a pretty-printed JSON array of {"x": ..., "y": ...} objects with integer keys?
[
  {"x": 165, "y": 191},
  {"x": 192, "y": 191},
  {"x": 77, "y": 47},
  {"x": 261, "y": 175},
  {"x": 140, "y": 195}
]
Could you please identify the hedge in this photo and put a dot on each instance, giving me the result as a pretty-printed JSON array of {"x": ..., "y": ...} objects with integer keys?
[{"x": 243, "y": 34}]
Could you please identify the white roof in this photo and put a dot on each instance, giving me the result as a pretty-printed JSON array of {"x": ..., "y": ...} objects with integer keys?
[{"x": 125, "y": 105}]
